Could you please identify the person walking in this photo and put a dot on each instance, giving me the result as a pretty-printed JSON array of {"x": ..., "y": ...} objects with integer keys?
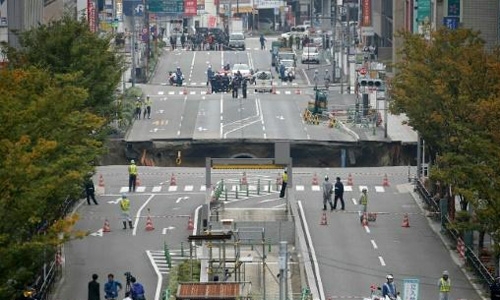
[
  {"x": 495, "y": 289},
  {"x": 125, "y": 209},
  {"x": 147, "y": 109},
  {"x": 244, "y": 84},
  {"x": 94, "y": 288},
  {"x": 90, "y": 189},
  {"x": 327, "y": 193},
  {"x": 284, "y": 182},
  {"x": 111, "y": 288},
  {"x": 137, "y": 290},
  {"x": 132, "y": 176},
  {"x": 262, "y": 42},
  {"x": 339, "y": 194},
  {"x": 389, "y": 288},
  {"x": 316, "y": 79},
  {"x": 138, "y": 108},
  {"x": 444, "y": 285},
  {"x": 363, "y": 203}
]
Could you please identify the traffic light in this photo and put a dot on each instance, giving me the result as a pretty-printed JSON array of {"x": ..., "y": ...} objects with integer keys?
[{"x": 372, "y": 83}]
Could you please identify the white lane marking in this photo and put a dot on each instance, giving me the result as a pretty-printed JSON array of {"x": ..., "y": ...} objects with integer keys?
[
  {"x": 367, "y": 229},
  {"x": 172, "y": 188},
  {"x": 374, "y": 244},
  {"x": 181, "y": 198},
  {"x": 299, "y": 187},
  {"x": 348, "y": 188},
  {"x": 158, "y": 273},
  {"x": 188, "y": 188},
  {"x": 382, "y": 262},
  {"x": 157, "y": 189},
  {"x": 167, "y": 229},
  {"x": 379, "y": 189},
  {"x": 203, "y": 188},
  {"x": 124, "y": 189},
  {"x": 138, "y": 214},
  {"x": 354, "y": 201},
  {"x": 315, "y": 188},
  {"x": 140, "y": 189}
]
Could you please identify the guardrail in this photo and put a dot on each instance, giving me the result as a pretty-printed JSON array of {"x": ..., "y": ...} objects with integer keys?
[{"x": 471, "y": 259}]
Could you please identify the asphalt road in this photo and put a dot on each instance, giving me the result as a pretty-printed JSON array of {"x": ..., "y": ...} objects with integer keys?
[
  {"x": 188, "y": 112},
  {"x": 350, "y": 257}
]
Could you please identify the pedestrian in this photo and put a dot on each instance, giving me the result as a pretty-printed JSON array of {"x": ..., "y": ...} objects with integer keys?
[
  {"x": 210, "y": 75},
  {"x": 125, "y": 209},
  {"x": 147, "y": 110},
  {"x": 495, "y": 289},
  {"x": 327, "y": 193},
  {"x": 284, "y": 182},
  {"x": 94, "y": 288},
  {"x": 111, "y": 288},
  {"x": 444, "y": 285},
  {"x": 244, "y": 84},
  {"x": 363, "y": 203},
  {"x": 316, "y": 79},
  {"x": 183, "y": 40},
  {"x": 90, "y": 190},
  {"x": 262, "y": 42},
  {"x": 127, "y": 296},
  {"x": 339, "y": 194},
  {"x": 137, "y": 290},
  {"x": 389, "y": 288},
  {"x": 132, "y": 176},
  {"x": 138, "y": 108}
]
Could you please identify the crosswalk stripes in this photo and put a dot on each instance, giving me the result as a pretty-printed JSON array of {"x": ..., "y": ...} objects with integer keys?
[
  {"x": 199, "y": 92},
  {"x": 159, "y": 260},
  {"x": 232, "y": 188}
]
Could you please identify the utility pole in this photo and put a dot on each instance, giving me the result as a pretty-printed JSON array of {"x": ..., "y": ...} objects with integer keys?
[
  {"x": 334, "y": 38},
  {"x": 148, "y": 43},
  {"x": 132, "y": 48},
  {"x": 283, "y": 266}
]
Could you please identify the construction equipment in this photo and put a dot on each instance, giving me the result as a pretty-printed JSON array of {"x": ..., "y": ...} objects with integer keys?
[{"x": 320, "y": 104}]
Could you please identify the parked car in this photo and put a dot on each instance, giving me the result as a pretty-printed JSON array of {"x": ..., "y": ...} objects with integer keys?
[
  {"x": 263, "y": 81},
  {"x": 236, "y": 41},
  {"x": 243, "y": 68},
  {"x": 310, "y": 54}
]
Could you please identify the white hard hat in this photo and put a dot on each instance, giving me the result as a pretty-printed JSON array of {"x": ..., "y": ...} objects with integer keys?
[
  {"x": 389, "y": 276},
  {"x": 445, "y": 273},
  {"x": 326, "y": 177},
  {"x": 124, "y": 195},
  {"x": 132, "y": 161}
]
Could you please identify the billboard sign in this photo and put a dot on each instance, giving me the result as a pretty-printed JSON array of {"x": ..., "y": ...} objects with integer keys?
[
  {"x": 133, "y": 7},
  {"x": 91, "y": 15},
  {"x": 190, "y": 8},
  {"x": 366, "y": 13},
  {"x": 451, "y": 22}
]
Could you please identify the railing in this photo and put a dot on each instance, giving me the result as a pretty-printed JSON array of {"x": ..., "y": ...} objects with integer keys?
[{"x": 470, "y": 257}]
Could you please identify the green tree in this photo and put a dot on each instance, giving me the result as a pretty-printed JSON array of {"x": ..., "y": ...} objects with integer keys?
[
  {"x": 449, "y": 87},
  {"x": 48, "y": 142},
  {"x": 67, "y": 46}
]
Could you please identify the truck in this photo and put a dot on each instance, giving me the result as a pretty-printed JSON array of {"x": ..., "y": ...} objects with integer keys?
[
  {"x": 236, "y": 26},
  {"x": 280, "y": 51}
]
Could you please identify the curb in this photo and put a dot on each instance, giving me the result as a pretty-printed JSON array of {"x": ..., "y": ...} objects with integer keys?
[{"x": 454, "y": 256}]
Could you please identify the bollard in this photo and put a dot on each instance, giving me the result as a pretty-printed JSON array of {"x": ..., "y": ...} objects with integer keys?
[
  {"x": 166, "y": 294},
  {"x": 236, "y": 192},
  {"x": 258, "y": 186},
  {"x": 269, "y": 186},
  {"x": 248, "y": 191},
  {"x": 251, "y": 247},
  {"x": 225, "y": 194},
  {"x": 182, "y": 249},
  {"x": 167, "y": 256},
  {"x": 269, "y": 245}
]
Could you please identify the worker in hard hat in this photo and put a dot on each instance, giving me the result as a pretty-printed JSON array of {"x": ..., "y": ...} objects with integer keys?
[
  {"x": 125, "y": 209},
  {"x": 327, "y": 193},
  {"x": 132, "y": 176},
  {"x": 444, "y": 285},
  {"x": 389, "y": 288}
]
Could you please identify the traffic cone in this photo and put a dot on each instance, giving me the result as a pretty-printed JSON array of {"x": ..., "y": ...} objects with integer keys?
[
  {"x": 173, "y": 181},
  {"x": 297, "y": 92},
  {"x": 324, "y": 221},
  {"x": 100, "y": 190},
  {"x": 315, "y": 179},
  {"x": 184, "y": 91},
  {"x": 273, "y": 90},
  {"x": 190, "y": 224},
  {"x": 209, "y": 90},
  {"x": 244, "y": 180},
  {"x": 137, "y": 181},
  {"x": 101, "y": 180},
  {"x": 149, "y": 224},
  {"x": 364, "y": 220},
  {"x": 406, "y": 221},
  {"x": 349, "y": 180},
  {"x": 106, "y": 227},
  {"x": 385, "y": 182}
]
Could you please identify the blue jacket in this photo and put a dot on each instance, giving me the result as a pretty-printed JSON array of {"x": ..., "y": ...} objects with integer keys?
[
  {"x": 111, "y": 289},
  {"x": 389, "y": 289},
  {"x": 137, "y": 291}
]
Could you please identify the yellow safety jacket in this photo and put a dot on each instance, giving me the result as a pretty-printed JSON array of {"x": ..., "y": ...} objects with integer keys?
[
  {"x": 132, "y": 169},
  {"x": 125, "y": 204},
  {"x": 285, "y": 177},
  {"x": 444, "y": 285},
  {"x": 148, "y": 102},
  {"x": 138, "y": 104},
  {"x": 364, "y": 199}
]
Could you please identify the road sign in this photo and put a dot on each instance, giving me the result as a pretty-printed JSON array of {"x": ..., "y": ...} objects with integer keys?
[
  {"x": 363, "y": 71},
  {"x": 367, "y": 31}
]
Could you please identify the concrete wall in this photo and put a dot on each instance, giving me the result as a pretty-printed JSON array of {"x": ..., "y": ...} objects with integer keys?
[{"x": 482, "y": 15}]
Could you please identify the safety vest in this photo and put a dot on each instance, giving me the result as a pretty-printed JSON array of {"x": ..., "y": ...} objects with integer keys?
[
  {"x": 445, "y": 285},
  {"x": 285, "y": 177},
  {"x": 364, "y": 199},
  {"x": 125, "y": 204},
  {"x": 148, "y": 102},
  {"x": 138, "y": 104},
  {"x": 132, "y": 169}
]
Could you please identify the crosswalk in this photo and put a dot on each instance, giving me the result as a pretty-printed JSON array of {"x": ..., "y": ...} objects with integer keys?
[
  {"x": 204, "y": 92},
  {"x": 159, "y": 260},
  {"x": 253, "y": 189}
]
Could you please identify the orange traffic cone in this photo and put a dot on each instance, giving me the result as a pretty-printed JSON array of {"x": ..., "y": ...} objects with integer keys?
[
  {"x": 324, "y": 221},
  {"x": 349, "y": 180},
  {"x": 137, "y": 181},
  {"x": 364, "y": 220},
  {"x": 106, "y": 227},
  {"x": 184, "y": 91},
  {"x": 173, "y": 181},
  {"x": 190, "y": 224},
  {"x": 244, "y": 180},
  {"x": 315, "y": 179},
  {"x": 406, "y": 221},
  {"x": 273, "y": 90},
  {"x": 385, "y": 182},
  {"x": 149, "y": 224},
  {"x": 101, "y": 180},
  {"x": 297, "y": 92}
]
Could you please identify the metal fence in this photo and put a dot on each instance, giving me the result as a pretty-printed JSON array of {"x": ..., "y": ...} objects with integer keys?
[{"x": 470, "y": 257}]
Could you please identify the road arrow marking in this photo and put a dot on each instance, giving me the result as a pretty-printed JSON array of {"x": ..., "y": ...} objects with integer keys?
[
  {"x": 165, "y": 230},
  {"x": 97, "y": 233},
  {"x": 181, "y": 198},
  {"x": 115, "y": 201},
  {"x": 160, "y": 111}
]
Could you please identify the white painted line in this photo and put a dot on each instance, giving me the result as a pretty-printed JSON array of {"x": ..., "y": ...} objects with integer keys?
[
  {"x": 361, "y": 187},
  {"x": 354, "y": 201},
  {"x": 124, "y": 189},
  {"x": 156, "y": 189},
  {"x": 188, "y": 188},
  {"x": 367, "y": 229},
  {"x": 348, "y": 188},
  {"x": 278, "y": 92},
  {"x": 203, "y": 92},
  {"x": 158, "y": 273},
  {"x": 379, "y": 189},
  {"x": 315, "y": 188},
  {"x": 382, "y": 262},
  {"x": 138, "y": 214},
  {"x": 374, "y": 244},
  {"x": 234, "y": 188},
  {"x": 140, "y": 189},
  {"x": 288, "y": 92},
  {"x": 172, "y": 188},
  {"x": 160, "y": 93},
  {"x": 252, "y": 187},
  {"x": 171, "y": 92},
  {"x": 299, "y": 188},
  {"x": 192, "y": 93},
  {"x": 203, "y": 188}
]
